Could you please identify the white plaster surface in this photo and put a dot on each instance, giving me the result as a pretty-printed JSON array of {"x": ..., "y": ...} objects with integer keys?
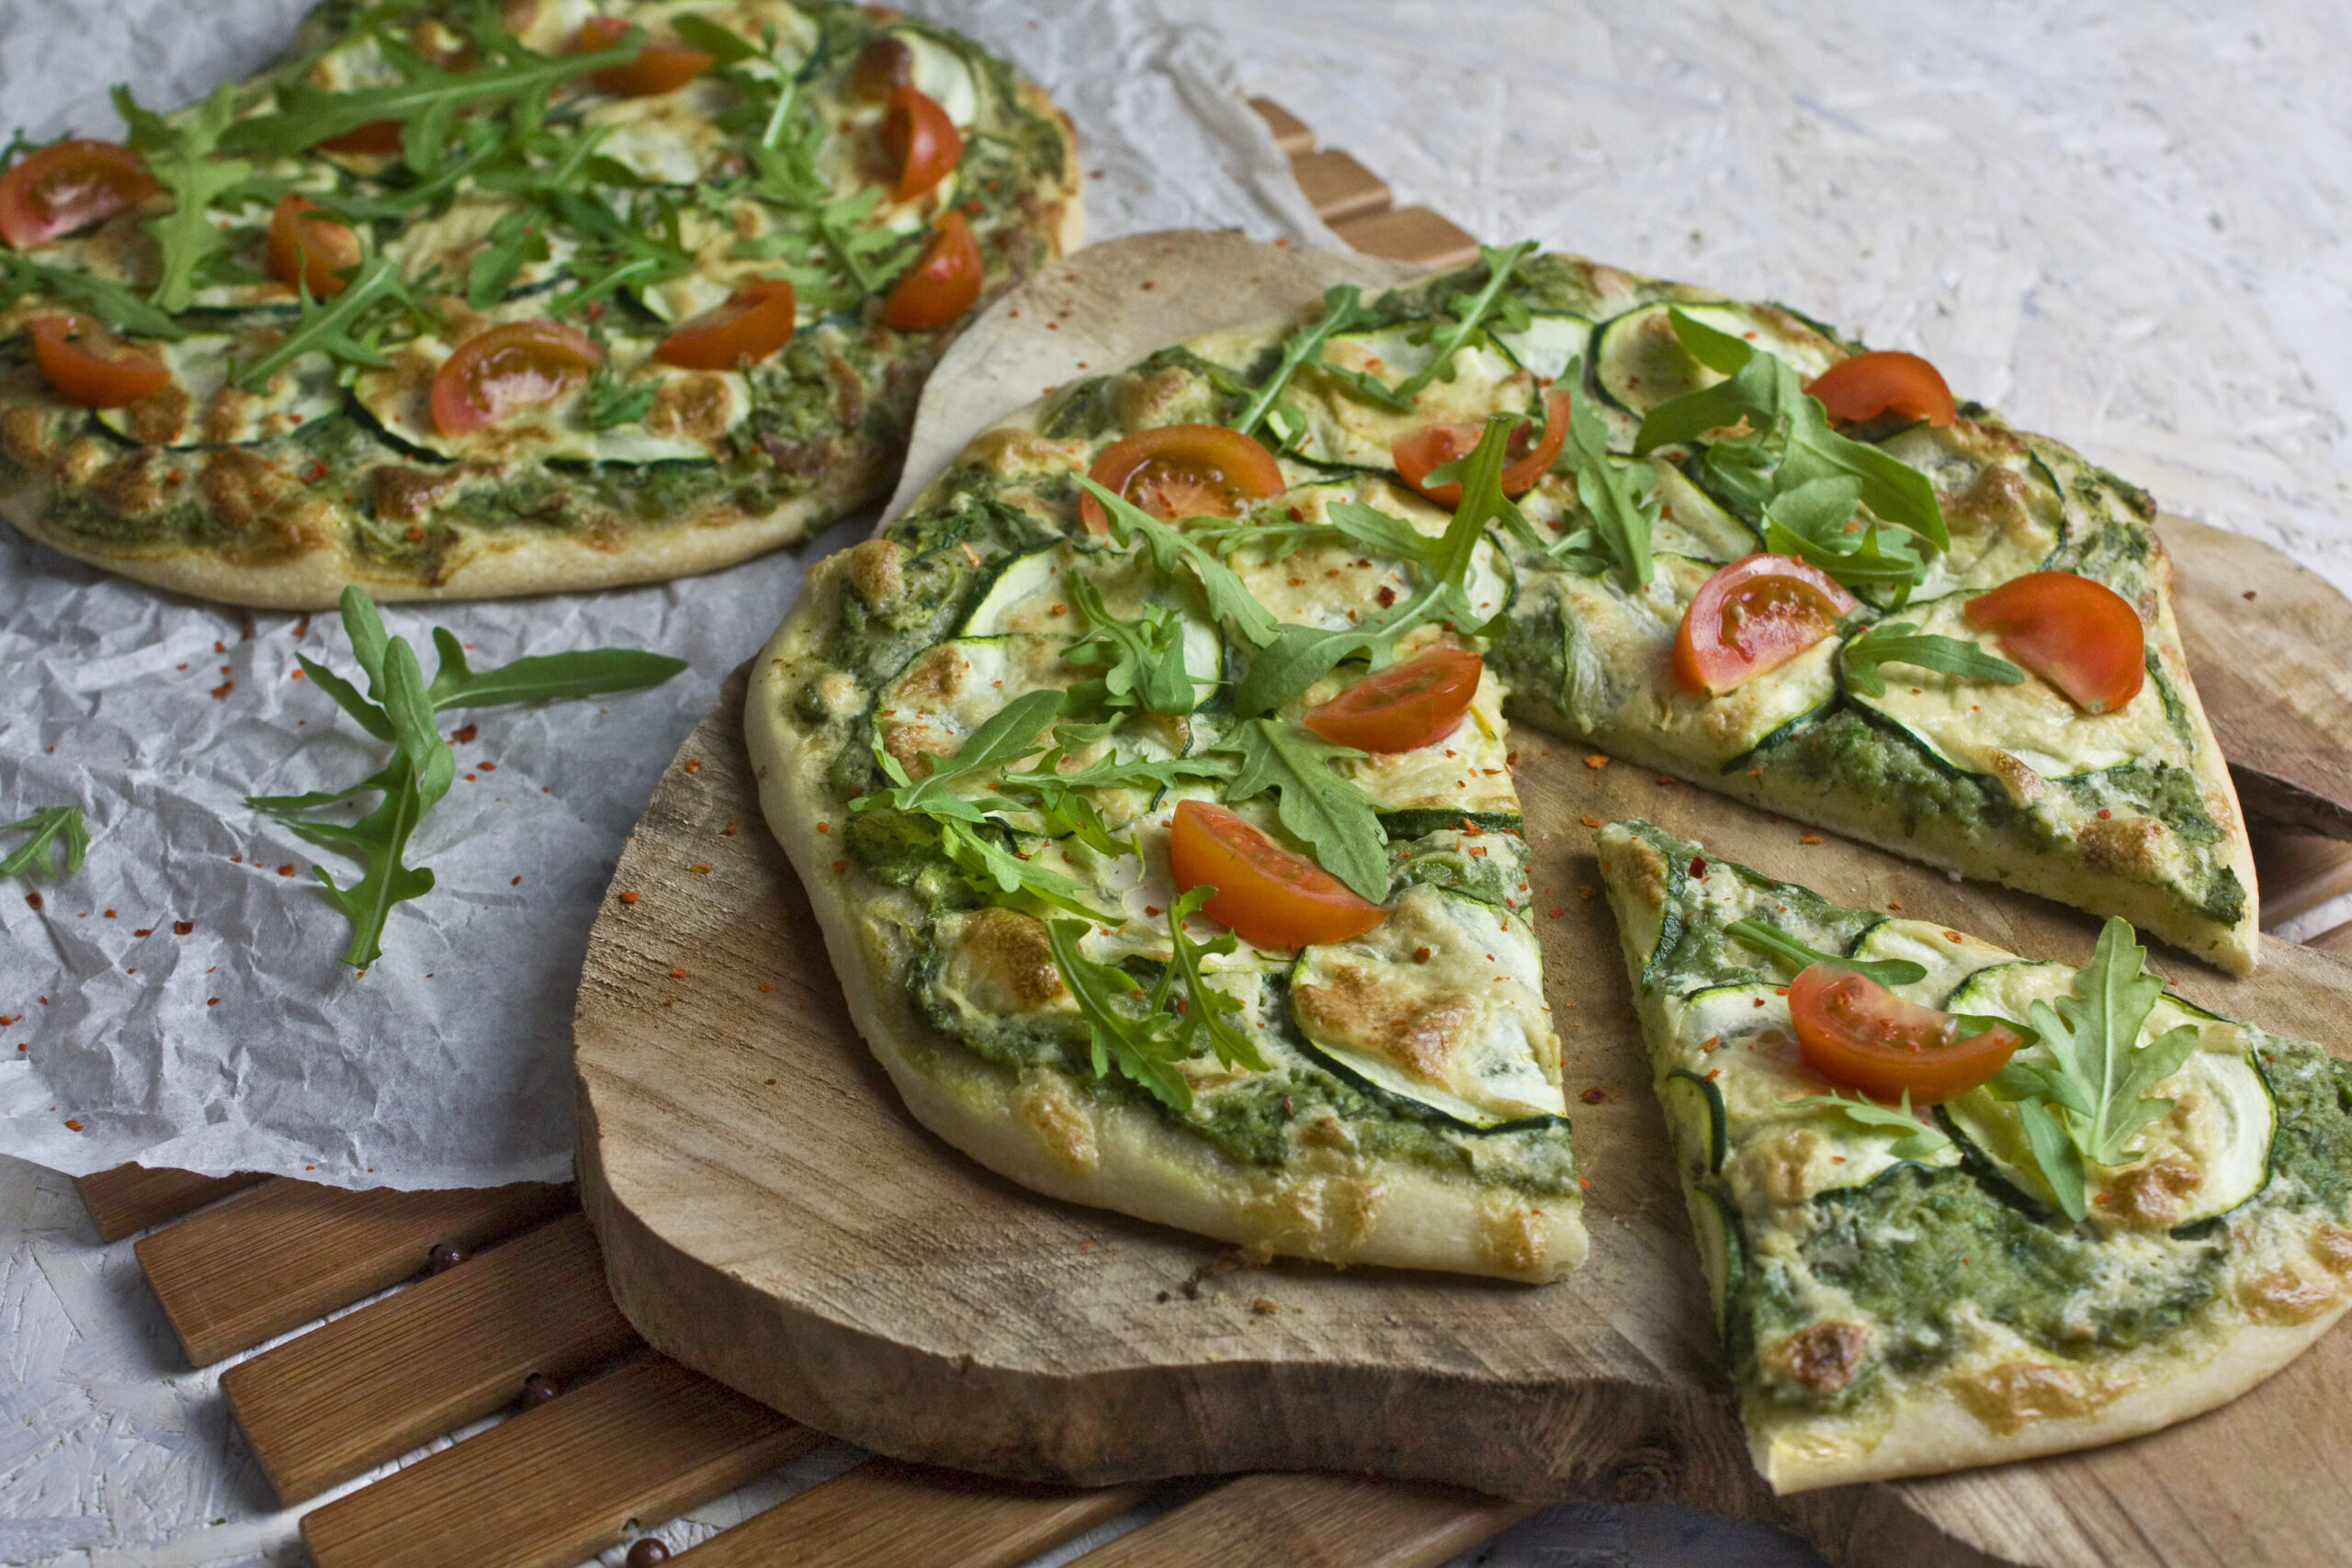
[{"x": 2126, "y": 224}]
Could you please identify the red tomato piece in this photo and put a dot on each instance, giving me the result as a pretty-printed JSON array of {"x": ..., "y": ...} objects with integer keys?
[
  {"x": 920, "y": 140},
  {"x": 312, "y": 250},
  {"x": 90, "y": 366},
  {"x": 1752, "y": 616},
  {"x": 755, "y": 321},
  {"x": 1405, "y": 706},
  {"x": 1182, "y": 470},
  {"x": 883, "y": 67},
  {"x": 1853, "y": 1030},
  {"x": 377, "y": 136},
  {"x": 520, "y": 365},
  {"x": 68, "y": 186},
  {"x": 659, "y": 67},
  {"x": 1434, "y": 446},
  {"x": 942, "y": 286},
  {"x": 2077, "y": 634},
  {"x": 1883, "y": 381},
  {"x": 1264, "y": 893}
]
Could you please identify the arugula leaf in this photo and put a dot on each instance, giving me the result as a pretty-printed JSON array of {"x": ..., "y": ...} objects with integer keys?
[
  {"x": 1621, "y": 500},
  {"x": 1206, "y": 1009},
  {"x": 1901, "y": 642},
  {"x": 1142, "y": 660},
  {"x": 181, "y": 157},
  {"x": 1921, "y": 1137},
  {"x": 1342, "y": 311},
  {"x": 1010, "y": 734},
  {"x": 1797, "y": 955},
  {"x": 111, "y": 303},
  {"x": 1471, "y": 314},
  {"x": 1315, "y": 803},
  {"x": 725, "y": 45},
  {"x": 515, "y": 239},
  {"x": 989, "y": 865},
  {"x": 46, "y": 826},
  {"x": 607, "y": 400},
  {"x": 542, "y": 677},
  {"x": 330, "y": 329},
  {"x": 1229, "y": 598}
]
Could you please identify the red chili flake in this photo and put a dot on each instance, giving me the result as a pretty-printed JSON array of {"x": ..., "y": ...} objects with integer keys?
[
  {"x": 1894, "y": 905},
  {"x": 1589, "y": 821},
  {"x": 1387, "y": 596},
  {"x": 414, "y": 533},
  {"x": 694, "y": 765},
  {"x": 840, "y": 866},
  {"x": 1666, "y": 778},
  {"x": 464, "y": 736},
  {"x": 1478, "y": 850},
  {"x": 516, "y": 883},
  {"x": 469, "y": 778},
  {"x": 1711, "y": 1043},
  {"x": 1422, "y": 955},
  {"x": 236, "y": 859},
  {"x": 1473, "y": 828},
  {"x": 2104, "y": 814},
  {"x": 109, "y": 914},
  {"x": 764, "y": 987},
  {"x": 487, "y": 767},
  {"x": 2247, "y": 595},
  {"x": 677, "y": 974},
  {"x": 220, "y": 646},
  {"x": 221, "y": 691},
  {"x": 1151, "y": 911},
  {"x": 183, "y": 928},
  {"x": 824, "y": 827},
  {"x": 1586, "y": 890},
  {"x": 1951, "y": 936},
  {"x": 212, "y": 1001},
  {"x": 315, "y": 472},
  {"x": 1557, "y": 911},
  {"x": 1810, "y": 839},
  {"x": 1755, "y": 772},
  {"x": 595, "y": 312},
  {"x": 129, "y": 971},
  {"x": 1759, "y": 1001},
  {"x": 728, "y": 831},
  {"x": 294, "y": 674},
  {"x": 1511, "y": 758},
  {"x": 286, "y": 870},
  {"x": 1596, "y": 761},
  {"x": 32, "y": 900},
  {"x": 631, "y": 896},
  {"x": 73, "y": 1126},
  {"x": 1596, "y": 1095},
  {"x": 1698, "y": 867},
  {"x": 699, "y": 869}
]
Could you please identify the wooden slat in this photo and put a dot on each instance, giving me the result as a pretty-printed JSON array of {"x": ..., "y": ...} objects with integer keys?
[
  {"x": 885, "y": 1513},
  {"x": 1411, "y": 233},
  {"x": 1291, "y": 133},
  {"x": 373, "y": 1384},
  {"x": 2338, "y": 940},
  {"x": 2298, "y": 872},
  {"x": 1338, "y": 187},
  {"x": 561, "y": 1482},
  {"x": 1313, "y": 1521},
  {"x": 291, "y": 1252},
  {"x": 133, "y": 1197}
]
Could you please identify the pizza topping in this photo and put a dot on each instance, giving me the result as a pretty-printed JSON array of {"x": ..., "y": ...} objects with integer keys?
[
  {"x": 1405, "y": 706},
  {"x": 1823, "y": 1356},
  {"x": 1753, "y": 616},
  {"x": 2075, "y": 632},
  {"x": 1175, "y": 471},
  {"x": 656, "y": 68},
  {"x": 1268, "y": 895},
  {"x": 920, "y": 140},
  {"x": 378, "y": 138},
  {"x": 309, "y": 253},
  {"x": 1901, "y": 642},
  {"x": 883, "y": 67},
  {"x": 1319, "y": 806},
  {"x": 87, "y": 366},
  {"x": 1883, "y": 381},
  {"x": 1440, "y": 446},
  {"x": 943, "y": 283},
  {"x": 518, "y": 366},
  {"x": 1853, "y": 1030},
  {"x": 756, "y": 323},
  {"x": 68, "y": 186}
]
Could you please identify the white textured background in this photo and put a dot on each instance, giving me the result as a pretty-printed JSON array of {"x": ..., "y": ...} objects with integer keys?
[{"x": 2123, "y": 223}]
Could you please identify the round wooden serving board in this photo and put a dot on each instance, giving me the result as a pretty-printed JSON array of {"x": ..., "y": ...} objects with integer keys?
[{"x": 771, "y": 1215}]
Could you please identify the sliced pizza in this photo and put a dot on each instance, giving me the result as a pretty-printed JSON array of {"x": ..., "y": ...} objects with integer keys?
[
  {"x": 468, "y": 298},
  {"x": 1958, "y": 1207}
]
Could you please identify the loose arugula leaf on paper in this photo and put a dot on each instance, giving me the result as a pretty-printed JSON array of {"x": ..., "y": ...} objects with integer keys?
[
  {"x": 57, "y": 825},
  {"x": 397, "y": 706}
]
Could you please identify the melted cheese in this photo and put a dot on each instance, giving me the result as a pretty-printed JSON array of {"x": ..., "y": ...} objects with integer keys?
[{"x": 201, "y": 409}]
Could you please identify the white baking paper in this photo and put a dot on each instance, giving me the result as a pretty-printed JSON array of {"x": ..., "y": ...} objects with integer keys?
[{"x": 243, "y": 1045}]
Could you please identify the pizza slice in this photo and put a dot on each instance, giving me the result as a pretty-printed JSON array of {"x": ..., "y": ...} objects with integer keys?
[{"x": 1957, "y": 1207}]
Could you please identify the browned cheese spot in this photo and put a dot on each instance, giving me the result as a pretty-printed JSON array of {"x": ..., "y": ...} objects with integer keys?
[
  {"x": 2007, "y": 1396},
  {"x": 2147, "y": 1197},
  {"x": 849, "y": 391},
  {"x": 129, "y": 486},
  {"x": 2282, "y": 1296},
  {"x": 1513, "y": 1239},
  {"x": 1823, "y": 1356},
  {"x": 404, "y": 494},
  {"x": 1417, "y": 1032},
  {"x": 224, "y": 414},
  {"x": 2332, "y": 1245},
  {"x": 278, "y": 517},
  {"x": 1786, "y": 1161},
  {"x": 24, "y": 437},
  {"x": 2121, "y": 846},
  {"x": 692, "y": 406},
  {"x": 1061, "y": 1128},
  {"x": 1010, "y": 948},
  {"x": 158, "y": 419},
  {"x": 875, "y": 571}
]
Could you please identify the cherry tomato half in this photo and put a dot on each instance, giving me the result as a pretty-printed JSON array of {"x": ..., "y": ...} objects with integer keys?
[
  {"x": 755, "y": 321},
  {"x": 883, "y": 67},
  {"x": 659, "y": 67},
  {"x": 377, "y": 136},
  {"x": 942, "y": 284},
  {"x": 520, "y": 365},
  {"x": 90, "y": 366},
  {"x": 1433, "y": 445},
  {"x": 1752, "y": 616},
  {"x": 1883, "y": 381},
  {"x": 920, "y": 140},
  {"x": 1854, "y": 1032},
  {"x": 1405, "y": 706},
  {"x": 310, "y": 250},
  {"x": 68, "y": 186},
  {"x": 1182, "y": 470},
  {"x": 2079, "y": 635},
  {"x": 1264, "y": 893}
]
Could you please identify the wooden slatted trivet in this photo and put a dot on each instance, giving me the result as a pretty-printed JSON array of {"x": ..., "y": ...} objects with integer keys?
[{"x": 628, "y": 1439}]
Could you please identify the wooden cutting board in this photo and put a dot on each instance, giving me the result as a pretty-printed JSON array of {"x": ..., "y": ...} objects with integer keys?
[{"x": 771, "y": 1215}]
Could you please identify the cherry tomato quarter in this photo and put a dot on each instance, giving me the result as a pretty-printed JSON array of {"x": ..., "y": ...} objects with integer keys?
[
  {"x": 942, "y": 286},
  {"x": 922, "y": 140},
  {"x": 1883, "y": 381},
  {"x": 89, "y": 366},
  {"x": 659, "y": 68},
  {"x": 754, "y": 322},
  {"x": 1753, "y": 616},
  {"x": 521, "y": 365},
  {"x": 1182, "y": 470},
  {"x": 68, "y": 186},
  {"x": 2076, "y": 632},
  {"x": 1264, "y": 893},
  {"x": 307, "y": 250},
  {"x": 1404, "y": 707},
  {"x": 1854, "y": 1032},
  {"x": 1434, "y": 446}
]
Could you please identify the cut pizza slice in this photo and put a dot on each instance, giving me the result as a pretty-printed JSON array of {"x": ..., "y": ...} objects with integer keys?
[{"x": 1957, "y": 1207}]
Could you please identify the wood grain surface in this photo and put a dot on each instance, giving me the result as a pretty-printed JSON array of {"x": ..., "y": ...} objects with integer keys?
[{"x": 131, "y": 1198}]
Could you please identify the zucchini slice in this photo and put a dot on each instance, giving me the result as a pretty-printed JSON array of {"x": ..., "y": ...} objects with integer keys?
[
  {"x": 1692, "y": 523},
  {"x": 1018, "y": 593},
  {"x": 1639, "y": 363},
  {"x": 1694, "y": 1118},
  {"x": 2222, "y": 1126},
  {"x": 1714, "y": 1225},
  {"x": 1547, "y": 345},
  {"x": 2004, "y": 513},
  {"x": 1463, "y": 1033},
  {"x": 1342, "y": 428},
  {"x": 1983, "y": 726},
  {"x": 217, "y": 414}
]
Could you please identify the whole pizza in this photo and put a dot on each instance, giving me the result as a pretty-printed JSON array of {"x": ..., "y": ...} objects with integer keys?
[{"x": 481, "y": 296}]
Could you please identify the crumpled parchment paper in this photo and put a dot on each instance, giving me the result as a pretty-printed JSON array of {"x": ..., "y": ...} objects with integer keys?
[{"x": 241, "y": 1043}]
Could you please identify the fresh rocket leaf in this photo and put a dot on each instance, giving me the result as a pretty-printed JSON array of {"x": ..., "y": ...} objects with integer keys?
[
  {"x": 113, "y": 305},
  {"x": 538, "y": 678},
  {"x": 1145, "y": 1034},
  {"x": 1142, "y": 660},
  {"x": 337, "y": 329},
  {"x": 1342, "y": 311},
  {"x": 1618, "y": 497},
  {"x": 1901, "y": 642},
  {"x": 724, "y": 45},
  {"x": 1472, "y": 313},
  {"x": 1797, "y": 955},
  {"x": 1920, "y": 1138},
  {"x": 1205, "y": 1009},
  {"x": 1010, "y": 734},
  {"x": 516, "y": 238},
  {"x": 995, "y": 870},
  {"x": 1229, "y": 598},
  {"x": 48, "y": 826},
  {"x": 607, "y": 400},
  {"x": 1334, "y": 817},
  {"x": 181, "y": 158}
]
